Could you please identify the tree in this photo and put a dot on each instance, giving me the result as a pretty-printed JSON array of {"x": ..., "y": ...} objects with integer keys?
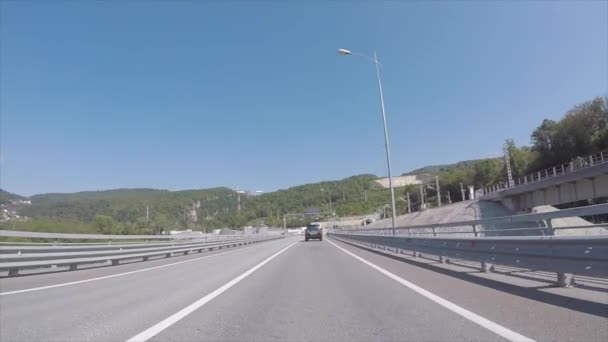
[
  {"x": 104, "y": 224},
  {"x": 543, "y": 142},
  {"x": 487, "y": 172},
  {"x": 582, "y": 131}
]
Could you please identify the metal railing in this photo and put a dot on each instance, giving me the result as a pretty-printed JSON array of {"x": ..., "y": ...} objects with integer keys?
[
  {"x": 541, "y": 224},
  {"x": 566, "y": 255},
  {"x": 14, "y": 258},
  {"x": 551, "y": 172},
  {"x": 71, "y": 236}
]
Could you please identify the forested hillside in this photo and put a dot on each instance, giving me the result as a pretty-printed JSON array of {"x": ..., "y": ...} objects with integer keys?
[
  {"x": 582, "y": 131},
  {"x": 7, "y": 197},
  {"x": 150, "y": 211}
]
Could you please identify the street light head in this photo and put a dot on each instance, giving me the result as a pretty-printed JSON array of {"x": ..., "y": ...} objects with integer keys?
[{"x": 344, "y": 52}]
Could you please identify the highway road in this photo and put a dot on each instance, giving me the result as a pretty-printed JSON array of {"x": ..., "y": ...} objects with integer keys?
[{"x": 282, "y": 290}]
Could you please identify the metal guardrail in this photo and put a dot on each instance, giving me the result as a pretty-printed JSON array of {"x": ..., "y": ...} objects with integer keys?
[
  {"x": 564, "y": 255},
  {"x": 29, "y": 254},
  {"x": 70, "y": 236},
  {"x": 73, "y": 258},
  {"x": 16, "y": 248},
  {"x": 477, "y": 226}
]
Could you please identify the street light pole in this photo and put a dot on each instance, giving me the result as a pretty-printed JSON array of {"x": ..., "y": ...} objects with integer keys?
[
  {"x": 345, "y": 52},
  {"x": 388, "y": 153}
]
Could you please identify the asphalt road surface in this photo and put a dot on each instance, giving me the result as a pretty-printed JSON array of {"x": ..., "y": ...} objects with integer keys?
[{"x": 283, "y": 290}]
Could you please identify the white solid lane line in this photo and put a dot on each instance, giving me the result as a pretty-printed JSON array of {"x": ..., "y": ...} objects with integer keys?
[
  {"x": 484, "y": 322},
  {"x": 116, "y": 275},
  {"x": 169, "y": 321}
]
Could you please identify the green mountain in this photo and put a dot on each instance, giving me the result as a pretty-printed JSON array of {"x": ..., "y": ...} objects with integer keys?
[
  {"x": 7, "y": 197},
  {"x": 435, "y": 169},
  {"x": 582, "y": 131},
  {"x": 150, "y": 211}
]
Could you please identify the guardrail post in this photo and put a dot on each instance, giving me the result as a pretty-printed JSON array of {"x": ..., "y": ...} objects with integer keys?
[
  {"x": 554, "y": 172},
  {"x": 571, "y": 166},
  {"x": 590, "y": 160},
  {"x": 546, "y": 173},
  {"x": 525, "y": 179},
  {"x": 475, "y": 230},
  {"x": 486, "y": 267},
  {"x": 13, "y": 272},
  {"x": 434, "y": 232},
  {"x": 539, "y": 176},
  {"x": 565, "y": 279},
  {"x": 602, "y": 156}
]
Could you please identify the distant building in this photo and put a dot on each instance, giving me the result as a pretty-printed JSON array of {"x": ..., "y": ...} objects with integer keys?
[{"x": 404, "y": 180}]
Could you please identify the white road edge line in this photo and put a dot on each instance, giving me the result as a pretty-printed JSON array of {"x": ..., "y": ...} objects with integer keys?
[
  {"x": 116, "y": 275},
  {"x": 169, "y": 321},
  {"x": 484, "y": 322}
]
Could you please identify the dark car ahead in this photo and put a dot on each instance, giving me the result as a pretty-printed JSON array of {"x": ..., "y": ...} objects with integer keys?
[{"x": 313, "y": 231}]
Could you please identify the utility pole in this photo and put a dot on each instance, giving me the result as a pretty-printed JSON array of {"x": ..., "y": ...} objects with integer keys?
[
  {"x": 462, "y": 194},
  {"x": 238, "y": 199},
  {"x": 238, "y": 202},
  {"x": 329, "y": 193},
  {"x": 409, "y": 203},
  {"x": 508, "y": 164},
  {"x": 449, "y": 199},
  {"x": 421, "y": 197},
  {"x": 438, "y": 191}
]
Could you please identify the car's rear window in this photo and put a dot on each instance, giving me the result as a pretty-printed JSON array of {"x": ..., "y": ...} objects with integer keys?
[{"x": 313, "y": 227}]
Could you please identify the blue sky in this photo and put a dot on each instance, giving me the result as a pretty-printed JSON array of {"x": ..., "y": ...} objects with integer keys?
[{"x": 99, "y": 95}]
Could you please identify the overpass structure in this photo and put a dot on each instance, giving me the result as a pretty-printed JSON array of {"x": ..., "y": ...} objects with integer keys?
[
  {"x": 408, "y": 284},
  {"x": 578, "y": 180}
]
